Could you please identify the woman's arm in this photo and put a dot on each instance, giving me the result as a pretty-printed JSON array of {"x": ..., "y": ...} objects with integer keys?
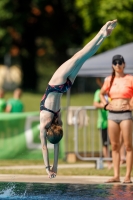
[
  {"x": 8, "y": 108},
  {"x": 45, "y": 153},
  {"x": 131, "y": 104},
  {"x": 44, "y": 149},
  {"x": 102, "y": 96},
  {"x": 56, "y": 153},
  {"x": 106, "y": 103},
  {"x": 98, "y": 104},
  {"x": 56, "y": 148}
]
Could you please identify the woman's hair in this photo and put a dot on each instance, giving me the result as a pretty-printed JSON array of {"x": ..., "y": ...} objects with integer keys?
[
  {"x": 112, "y": 79},
  {"x": 55, "y": 132}
]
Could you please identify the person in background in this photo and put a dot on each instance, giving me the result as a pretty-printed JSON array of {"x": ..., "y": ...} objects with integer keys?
[
  {"x": 119, "y": 87},
  {"x": 122, "y": 151},
  {"x": 2, "y": 101},
  {"x": 14, "y": 104},
  {"x": 102, "y": 122},
  {"x": 61, "y": 81}
]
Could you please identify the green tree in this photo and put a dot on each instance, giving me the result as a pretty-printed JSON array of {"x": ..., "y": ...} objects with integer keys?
[
  {"x": 96, "y": 13},
  {"x": 37, "y": 31}
]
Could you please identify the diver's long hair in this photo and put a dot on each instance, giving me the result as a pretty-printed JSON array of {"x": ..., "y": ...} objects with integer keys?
[{"x": 55, "y": 132}]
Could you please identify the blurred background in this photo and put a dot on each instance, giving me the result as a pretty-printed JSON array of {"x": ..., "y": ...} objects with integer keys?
[{"x": 36, "y": 36}]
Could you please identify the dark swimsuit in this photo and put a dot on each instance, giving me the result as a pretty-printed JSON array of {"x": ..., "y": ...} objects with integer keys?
[{"x": 54, "y": 88}]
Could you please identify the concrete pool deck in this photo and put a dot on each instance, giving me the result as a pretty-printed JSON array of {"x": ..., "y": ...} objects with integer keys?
[{"x": 59, "y": 179}]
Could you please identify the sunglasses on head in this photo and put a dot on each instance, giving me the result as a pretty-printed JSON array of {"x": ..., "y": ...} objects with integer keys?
[{"x": 119, "y": 62}]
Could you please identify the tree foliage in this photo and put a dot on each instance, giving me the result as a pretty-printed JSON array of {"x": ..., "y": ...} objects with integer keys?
[
  {"x": 96, "y": 13},
  {"x": 38, "y": 33}
]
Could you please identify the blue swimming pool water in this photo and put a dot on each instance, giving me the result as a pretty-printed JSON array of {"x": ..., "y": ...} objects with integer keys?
[{"x": 38, "y": 191}]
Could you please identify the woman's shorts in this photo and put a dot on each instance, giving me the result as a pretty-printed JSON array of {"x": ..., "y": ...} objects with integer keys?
[{"x": 119, "y": 116}]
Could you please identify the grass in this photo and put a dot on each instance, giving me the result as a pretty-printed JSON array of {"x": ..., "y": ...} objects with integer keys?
[
  {"x": 62, "y": 172},
  {"x": 32, "y": 100},
  {"x": 71, "y": 171}
]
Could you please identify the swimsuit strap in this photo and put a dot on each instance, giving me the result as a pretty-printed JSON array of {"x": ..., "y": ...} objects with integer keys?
[
  {"x": 55, "y": 113},
  {"x": 54, "y": 88}
]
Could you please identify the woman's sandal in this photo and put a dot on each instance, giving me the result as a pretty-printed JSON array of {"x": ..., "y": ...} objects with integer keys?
[
  {"x": 127, "y": 182},
  {"x": 113, "y": 181}
]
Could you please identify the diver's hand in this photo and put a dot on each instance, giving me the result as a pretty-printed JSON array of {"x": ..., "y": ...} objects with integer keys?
[
  {"x": 107, "y": 29},
  {"x": 54, "y": 172},
  {"x": 51, "y": 174}
]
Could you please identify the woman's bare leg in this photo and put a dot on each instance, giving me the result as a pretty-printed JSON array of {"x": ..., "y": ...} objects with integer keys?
[
  {"x": 126, "y": 127},
  {"x": 114, "y": 135},
  {"x": 71, "y": 67}
]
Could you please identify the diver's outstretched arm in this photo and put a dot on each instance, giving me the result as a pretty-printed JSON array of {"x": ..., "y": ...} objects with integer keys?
[
  {"x": 45, "y": 153},
  {"x": 56, "y": 153}
]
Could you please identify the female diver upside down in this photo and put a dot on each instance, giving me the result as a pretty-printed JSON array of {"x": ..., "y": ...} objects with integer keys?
[{"x": 61, "y": 81}]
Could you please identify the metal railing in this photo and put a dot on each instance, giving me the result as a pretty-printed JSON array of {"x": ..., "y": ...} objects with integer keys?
[{"x": 87, "y": 138}]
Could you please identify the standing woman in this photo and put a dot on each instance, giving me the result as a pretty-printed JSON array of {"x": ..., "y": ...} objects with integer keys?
[
  {"x": 119, "y": 87},
  {"x": 61, "y": 81}
]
